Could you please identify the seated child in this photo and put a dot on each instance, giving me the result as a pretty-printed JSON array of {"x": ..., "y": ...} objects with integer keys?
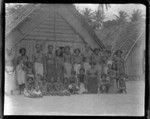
[
  {"x": 29, "y": 87},
  {"x": 38, "y": 81},
  {"x": 29, "y": 72},
  {"x": 111, "y": 73},
  {"x": 50, "y": 87},
  {"x": 104, "y": 84},
  {"x": 37, "y": 92},
  {"x": 122, "y": 84},
  {"x": 32, "y": 89},
  {"x": 66, "y": 83},
  {"x": 82, "y": 81},
  {"x": 44, "y": 87},
  {"x": 73, "y": 83}
]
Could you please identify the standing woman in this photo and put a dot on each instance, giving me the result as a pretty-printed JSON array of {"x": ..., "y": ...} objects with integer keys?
[
  {"x": 10, "y": 82},
  {"x": 67, "y": 62},
  {"x": 59, "y": 66},
  {"x": 38, "y": 59},
  {"x": 77, "y": 60},
  {"x": 96, "y": 58},
  {"x": 120, "y": 64},
  {"x": 21, "y": 69},
  {"x": 50, "y": 64},
  {"x": 87, "y": 58},
  {"x": 59, "y": 71}
]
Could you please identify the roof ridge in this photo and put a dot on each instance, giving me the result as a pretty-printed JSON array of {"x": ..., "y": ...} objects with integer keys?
[{"x": 86, "y": 25}]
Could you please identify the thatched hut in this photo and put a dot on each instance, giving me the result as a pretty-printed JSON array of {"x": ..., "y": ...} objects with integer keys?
[
  {"x": 130, "y": 38},
  {"x": 56, "y": 24}
]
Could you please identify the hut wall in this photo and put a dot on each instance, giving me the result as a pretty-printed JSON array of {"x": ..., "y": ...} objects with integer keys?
[{"x": 135, "y": 61}]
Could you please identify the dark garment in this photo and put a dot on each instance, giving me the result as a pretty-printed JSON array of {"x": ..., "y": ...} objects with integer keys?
[
  {"x": 92, "y": 85},
  {"x": 104, "y": 88},
  {"x": 81, "y": 78},
  {"x": 50, "y": 67},
  {"x": 121, "y": 83}
]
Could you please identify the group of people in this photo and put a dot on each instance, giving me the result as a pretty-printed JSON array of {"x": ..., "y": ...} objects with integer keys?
[{"x": 62, "y": 72}]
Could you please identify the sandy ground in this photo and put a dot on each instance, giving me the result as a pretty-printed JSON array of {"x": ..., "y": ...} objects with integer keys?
[{"x": 87, "y": 104}]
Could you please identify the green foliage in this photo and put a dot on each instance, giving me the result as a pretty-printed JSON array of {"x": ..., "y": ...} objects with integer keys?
[
  {"x": 122, "y": 17},
  {"x": 87, "y": 13},
  {"x": 136, "y": 15}
]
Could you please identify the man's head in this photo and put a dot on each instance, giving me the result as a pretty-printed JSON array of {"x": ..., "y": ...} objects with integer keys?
[
  {"x": 118, "y": 53},
  {"x": 22, "y": 51},
  {"x": 67, "y": 49},
  {"x": 38, "y": 47},
  {"x": 50, "y": 48},
  {"x": 82, "y": 71},
  {"x": 77, "y": 51}
]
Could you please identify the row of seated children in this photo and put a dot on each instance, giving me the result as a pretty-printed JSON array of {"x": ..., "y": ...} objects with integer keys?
[{"x": 36, "y": 86}]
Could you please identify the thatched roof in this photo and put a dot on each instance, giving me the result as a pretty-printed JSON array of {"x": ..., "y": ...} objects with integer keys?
[
  {"x": 68, "y": 12},
  {"x": 122, "y": 37}
]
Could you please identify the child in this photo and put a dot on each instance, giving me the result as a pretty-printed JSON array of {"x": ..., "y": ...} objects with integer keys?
[
  {"x": 82, "y": 81},
  {"x": 104, "y": 84},
  {"x": 92, "y": 79},
  {"x": 122, "y": 84},
  {"x": 73, "y": 83},
  {"x": 77, "y": 60},
  {"x": 21, "y": 68},
  {"x": 87, "y": 58},
  {"x": 37, "y": 92},
  {"x": 50, "y": 86},
  {"x": 29, "y": 72},
  {"x": 38, "y": 82},
  {"x": 44, "y": 87},
  {"x": 29, "y": 87}
]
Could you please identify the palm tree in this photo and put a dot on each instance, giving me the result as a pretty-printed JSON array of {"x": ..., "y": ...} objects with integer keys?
[
  {"x": 99, "y": 15},
  {"x": 87, "y": 13},
  {"x": 102, "y": 6},
  {"x": 98, "y": 19},
  {"x": 122, "y": 17},
  {"x": 136, "y": 15}
]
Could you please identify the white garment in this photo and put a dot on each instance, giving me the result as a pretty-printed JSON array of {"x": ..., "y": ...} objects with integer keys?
[
  {"x": 10, "y": 82},
  {"x": 77, "y": 68},
  {"x": 20, "y": 75},
  {"x": 87, "y": 66},
  {"x": 38, "y": 68},
  {"x": 82, "y": 88},
  {"x": 99, "y": 69},
  {"x": 68, "y": 68}
]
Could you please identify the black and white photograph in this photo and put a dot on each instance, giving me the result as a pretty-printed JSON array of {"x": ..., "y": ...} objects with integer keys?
[{"x": 74, "y": 59}]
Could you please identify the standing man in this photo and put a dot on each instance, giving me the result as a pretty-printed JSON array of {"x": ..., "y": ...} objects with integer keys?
[
  {"x": 120, "y": 64},
  {"x": 87, "y": 58},
  {"x": 38, "y": 59}
]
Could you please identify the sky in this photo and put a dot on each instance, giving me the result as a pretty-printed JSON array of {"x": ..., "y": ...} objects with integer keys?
[{"x": 114, "y": 9}]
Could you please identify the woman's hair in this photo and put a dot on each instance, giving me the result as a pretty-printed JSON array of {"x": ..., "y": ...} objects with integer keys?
[
  {"x": 22, "y": 49},
  {"x": 77, "y": 49},
  {"x": 57, "y": 53},
  {"x": 118, "y": 51},
  {"x": 103, "y": 75},
  {"x": 50, "y": 46},
  {"x": 67, "y": 47},
  {"x": 82, "y": 69}
]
